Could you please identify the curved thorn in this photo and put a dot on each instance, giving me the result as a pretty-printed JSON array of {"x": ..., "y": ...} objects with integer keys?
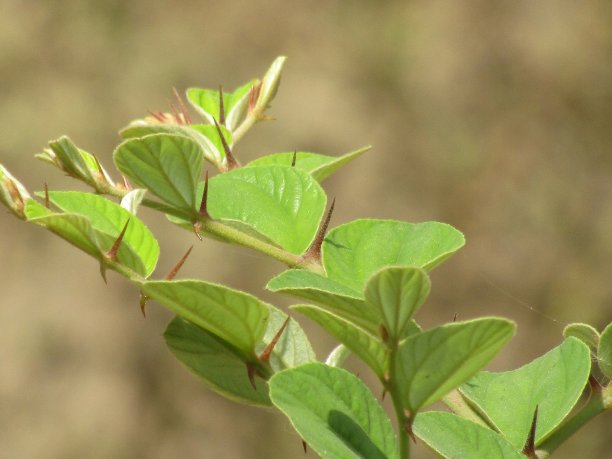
[
  {"x": 314, "y": 251},
  {"x": 143, "y": 302},
  {"x": 112, "y": 253},
  {"x": 251, "y": 374},
  {"x": 305, "y": 446}
]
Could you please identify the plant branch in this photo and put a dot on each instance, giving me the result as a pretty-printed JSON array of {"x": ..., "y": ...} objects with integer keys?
[{"x": 403, "y": 422}]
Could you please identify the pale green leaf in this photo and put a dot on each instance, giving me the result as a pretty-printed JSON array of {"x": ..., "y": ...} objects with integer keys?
[
  {"x": 604, "y": 351},
  {"x": 432, "y": 363},
  {"x": 317, "y": 165},
  {"x": 334, "y": 412},
  {"x": 454, "y": 437},
  {"x": 236, "y": 317},
  {"x": 354, "y": 251},
  {"x": 169, "y": 166},
  {"x": 282, "y": 203},
  {"x": 552, "y": 382},
  {"x": 397, "y": 293}
]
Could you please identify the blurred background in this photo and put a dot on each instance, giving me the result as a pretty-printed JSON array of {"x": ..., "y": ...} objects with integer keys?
[{"x": 494, "y": 117}]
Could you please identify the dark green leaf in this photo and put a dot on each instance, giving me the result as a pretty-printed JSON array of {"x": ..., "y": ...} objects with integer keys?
[{"x": 216, "y": 362}]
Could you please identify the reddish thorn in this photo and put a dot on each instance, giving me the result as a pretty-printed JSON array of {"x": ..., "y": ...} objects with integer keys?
[
  {"x": 159, "y": 116},
  {"x": 126, "y": 184},
  {"x": 112, "y": 253},
  {"x": 231, "y": 161},
  {"x": 408, "y": 429},
  {"x": 384, "y": 333},
  {"x": 46, "y": 196},
  {"x": 221, "y": 107},
  {"x": 143, "y": 302},
  {"x": 529, "y": 448},
  {"x": 305, "y": 446},
  {"x": 265, "y": 355},
  {"x": 314, "y": 251},
  {"x": 181, "y": 103},
  {"x": 455, "y": 317},
  {"x": 294, "y": 158},
  {"x": 179, "y": 265},
  {"x": 204, "y": 203},
  {"x": 175, "y": 113},
  {"x": 251, "y": 374}
]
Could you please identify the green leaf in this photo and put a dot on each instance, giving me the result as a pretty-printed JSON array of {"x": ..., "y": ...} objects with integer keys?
[
  {"x": 432, "y": 363},
  {"x": 168, "y": 165},
  {"x": 354, "y": 251},
  {"x": 215, "y": 361},
  {"x": 71, "y": 159},
  {"x": 12, "y": 193},
  {"x": 282, "y": 203},
  {"x": 328, "y": 294},
  {"x": 269, "y": 85},
  {"x": 319, "y": 166},
  {"x": 109, "y": 218},
  {"x": 207, "y": 137},
  {"x": 292, "y": 348},
  {"x": 604, "y": 351},
  {"x": 397, "y": 293},
  {"x": 552, "y": 382},
  {"x": 366, "y": 346},
  {"x": 80, "y": 231},
  {"x": 236, "y": 317},
  {"x": 454, "y": 437},
  {"x": 334, "y": 412},
  {"x": 206, "y": 103},
  {"x": 584, "y": 332}
]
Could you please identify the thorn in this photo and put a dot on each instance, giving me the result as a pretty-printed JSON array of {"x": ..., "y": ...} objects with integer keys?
[
  {"x": 175, "y": 113},
  {"x": 529, "y": 448},
  {"x": 126, "y": 183},
  {"x": 408, "y": 429},
  {"x": 46, "y": 196},
  {"x": 251, "y": 374},
  {"x": 305, "y": 446},
  {"x": 179, "y": 265},
  {"x": 294, "y": 158},
  {"x": 455, "y": 317},
  {"x": 143, "y": 302},
  {"x": 265, "y": 355},
  {"x": 384, "y": 393},
  {"x": 159, "y": 116},
  {"x": 204, "y": 203},
  {"x": 184, "y": 111},
  {"x": 221, "y": 108},
  {"x": 231, "y": 161},
  {"x": 112, "y": 253},
  {"x": 384, "y": 333},
  {"x": 103, "y": 272},
  {"x": 254, "y": 95},
  {"x": 314, "y": 251},
  {"x": 197, "y": 228}
]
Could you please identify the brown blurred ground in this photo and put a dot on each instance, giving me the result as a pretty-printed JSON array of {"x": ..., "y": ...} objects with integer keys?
[{"x": 492, "y": 116}]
